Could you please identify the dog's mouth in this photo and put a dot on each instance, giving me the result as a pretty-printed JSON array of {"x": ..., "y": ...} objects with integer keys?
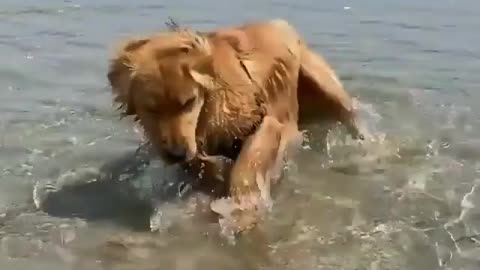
[{"x": 175, "y": 157}]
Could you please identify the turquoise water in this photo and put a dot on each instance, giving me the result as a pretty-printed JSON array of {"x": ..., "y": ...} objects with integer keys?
[{"x": 406, "y": 199}]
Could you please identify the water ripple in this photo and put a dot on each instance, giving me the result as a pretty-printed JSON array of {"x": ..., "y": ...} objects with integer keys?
[{"x": 406, "y": 198}]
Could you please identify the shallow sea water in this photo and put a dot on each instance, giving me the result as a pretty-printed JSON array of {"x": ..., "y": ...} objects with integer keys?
[{"x": 408, "y": 198}]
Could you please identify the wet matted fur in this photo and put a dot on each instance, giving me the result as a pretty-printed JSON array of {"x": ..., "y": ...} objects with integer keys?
[{"x": 238, "y": 93}]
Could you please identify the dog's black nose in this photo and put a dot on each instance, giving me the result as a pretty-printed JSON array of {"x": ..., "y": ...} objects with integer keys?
[{"x": 177, "y": 154}]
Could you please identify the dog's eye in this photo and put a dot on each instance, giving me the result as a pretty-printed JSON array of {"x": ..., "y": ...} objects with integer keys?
[
  {"x": 153, "y": 111},
  {"x": 189, "y": 103},
  {"x": 185, "y": 49}
]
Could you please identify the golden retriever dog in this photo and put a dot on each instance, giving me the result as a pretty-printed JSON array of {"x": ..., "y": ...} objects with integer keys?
[{"x": 238, "y": 94}]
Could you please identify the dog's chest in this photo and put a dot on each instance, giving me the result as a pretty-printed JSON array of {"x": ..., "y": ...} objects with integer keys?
[{"x": 227, "y": 120}]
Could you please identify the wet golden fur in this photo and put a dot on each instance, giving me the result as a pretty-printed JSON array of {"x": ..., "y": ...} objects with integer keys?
[{"x": 233, "y": 92}]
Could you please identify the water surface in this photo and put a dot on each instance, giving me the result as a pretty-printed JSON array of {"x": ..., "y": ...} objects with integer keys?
[{"x": 406, "y": 199}]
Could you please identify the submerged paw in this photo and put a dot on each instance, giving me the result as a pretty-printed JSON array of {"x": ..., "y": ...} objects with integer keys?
[{"x": 240, "y": 215}]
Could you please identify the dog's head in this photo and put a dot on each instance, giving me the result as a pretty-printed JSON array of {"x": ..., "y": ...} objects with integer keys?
[{"x": 163, "y": 81}]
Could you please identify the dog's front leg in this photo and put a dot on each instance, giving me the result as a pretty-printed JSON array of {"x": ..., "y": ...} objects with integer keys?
[{"x": 251, "y": 177}]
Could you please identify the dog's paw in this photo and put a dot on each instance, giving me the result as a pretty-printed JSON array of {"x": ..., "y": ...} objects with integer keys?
[{"x": 237, "y": 216}]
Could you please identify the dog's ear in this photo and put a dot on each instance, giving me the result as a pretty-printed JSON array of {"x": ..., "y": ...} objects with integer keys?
[
  {"x": 120, "y": 75},
  {"x": 202, "y": 71},
  {"x": 121, "y": 72}
]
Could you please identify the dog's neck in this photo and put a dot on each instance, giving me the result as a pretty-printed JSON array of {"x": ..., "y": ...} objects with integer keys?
[{"x": 226, "y": 124}]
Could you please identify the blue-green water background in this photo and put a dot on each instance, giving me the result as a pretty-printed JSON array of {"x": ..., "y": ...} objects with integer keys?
[{"x": 405, "y": 200}]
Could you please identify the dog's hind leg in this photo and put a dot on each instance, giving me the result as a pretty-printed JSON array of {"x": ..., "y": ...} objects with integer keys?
[{"x": 321, "y": 95}]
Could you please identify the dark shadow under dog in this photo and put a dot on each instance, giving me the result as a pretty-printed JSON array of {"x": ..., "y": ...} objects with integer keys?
[{"x": 114, "y": 192}]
